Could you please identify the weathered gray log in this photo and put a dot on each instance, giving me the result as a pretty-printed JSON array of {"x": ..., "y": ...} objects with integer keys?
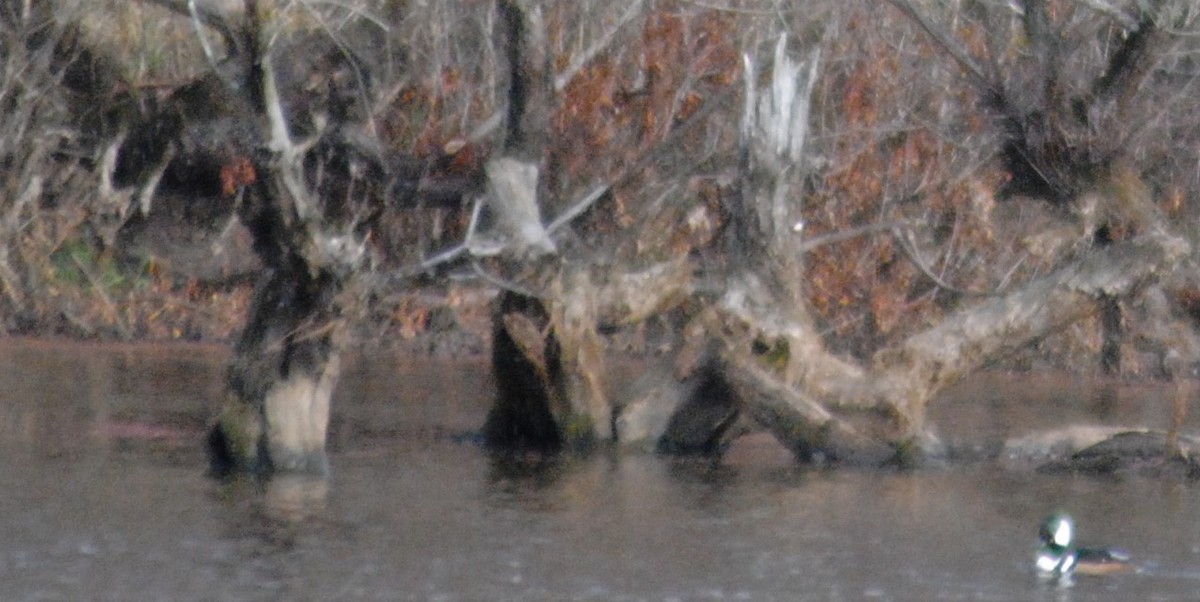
[
  {"x": 698, "y": 414},
  {"x": 1140, "y": 452},
  {"x": 901, "y": 379}
]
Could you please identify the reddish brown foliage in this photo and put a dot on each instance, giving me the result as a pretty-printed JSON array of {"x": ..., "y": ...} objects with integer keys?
[
  {"x": 235, "y": 174},
  {"x": 884, "y": 170}
]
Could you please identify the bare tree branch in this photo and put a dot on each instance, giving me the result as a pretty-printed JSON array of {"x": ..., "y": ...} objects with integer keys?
[
  {"x": 563, "y": 79},
  {"x": 964, "y": 340},
  {"x": 207, "y": 14},
  {"x": 956, "y": 52}
]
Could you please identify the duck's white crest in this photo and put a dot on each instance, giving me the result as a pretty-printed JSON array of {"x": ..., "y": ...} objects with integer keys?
[{"x": 1063, "y": 533}]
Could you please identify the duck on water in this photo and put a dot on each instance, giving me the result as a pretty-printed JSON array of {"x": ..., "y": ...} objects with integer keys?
[{"x": 1059, "y": 556}]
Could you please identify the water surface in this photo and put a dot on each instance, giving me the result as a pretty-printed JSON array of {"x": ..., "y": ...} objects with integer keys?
[{"x": 104, "y": 498}]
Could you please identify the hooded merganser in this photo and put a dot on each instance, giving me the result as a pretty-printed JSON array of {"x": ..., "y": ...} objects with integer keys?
[{"x": 1059, "y": 557}]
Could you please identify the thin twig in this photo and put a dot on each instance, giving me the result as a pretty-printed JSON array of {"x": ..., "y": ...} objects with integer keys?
[
  {"x": 909, "y": 248},
  {"x": 952, "y": 48},
  {"x": 108, "y": 302},
  {"x": 360, "y": 79},
  {"x": 150, "y": 188},
  {"x": 585, "y": 57},
  {"x": 206, "y": 15},
  {"x": 501, "y": 283},
  {"x": 820, "y": 241},
  {"x": 578, "y": 208}
]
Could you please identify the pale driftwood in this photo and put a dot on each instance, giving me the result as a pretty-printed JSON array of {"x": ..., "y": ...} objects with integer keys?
[
  {"x": 573, "y": 313},
  {"x": 296, "y": 410},
  {"x": 654, "y": 399},
  {"x": 632, "y": 297},
  {"x": 1056, "y": 443}
]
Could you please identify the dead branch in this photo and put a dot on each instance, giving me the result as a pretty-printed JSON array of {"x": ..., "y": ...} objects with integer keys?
[
  {"x": 208, "y": 14},
  {"x": 562, "y": 79},
  {"x": 933, "y": 359},
  {"x": 813, "y": 433},
  {"x": 951, "y": 46}
]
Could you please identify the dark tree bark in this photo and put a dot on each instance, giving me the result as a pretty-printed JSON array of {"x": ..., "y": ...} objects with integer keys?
[
  {"x": 529, "y": 379},
  {"x": 281, "y": 377},
  {"x": 702, "y": 423}
]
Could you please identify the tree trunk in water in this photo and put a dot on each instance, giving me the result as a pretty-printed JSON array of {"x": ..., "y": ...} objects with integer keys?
[
  {"x": 550, "y": 369},
  {"x": 702, "y": 422},
  {"x": 281, "y": 378},
  {"x": 285, "y": 365},
  {"x": 546, "y": 355},
  {"x": 529, "y": 381},
  {"x": 825, "y": 407}
]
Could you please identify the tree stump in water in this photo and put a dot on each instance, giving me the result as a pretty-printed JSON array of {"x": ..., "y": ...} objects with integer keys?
[
  {"x": 530, "y": 406},
  {"x": 281, "y": 379},
  {"x": 550, "y": 376}
]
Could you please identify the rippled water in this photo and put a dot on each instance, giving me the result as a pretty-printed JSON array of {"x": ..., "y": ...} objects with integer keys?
[{"x": 103, "y": 497}]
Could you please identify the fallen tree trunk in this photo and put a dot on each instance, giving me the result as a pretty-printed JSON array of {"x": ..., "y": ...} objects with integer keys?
[
  {"x": 806, "y": 427},
  {"x": 909, "y": 374},
  {"x": 814, "y": 404}
]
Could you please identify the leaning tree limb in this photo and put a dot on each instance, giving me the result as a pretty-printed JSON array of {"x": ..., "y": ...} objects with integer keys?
[{"x": 909, "y": 374}]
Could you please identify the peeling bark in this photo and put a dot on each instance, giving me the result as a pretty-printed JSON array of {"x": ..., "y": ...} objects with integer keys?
[
  {"x": 574, "y": 315},
  {"x": 281, "y": 378}
]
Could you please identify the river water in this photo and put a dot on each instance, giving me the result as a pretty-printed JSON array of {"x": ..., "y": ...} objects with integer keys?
[{"x": 103, "y": 497}]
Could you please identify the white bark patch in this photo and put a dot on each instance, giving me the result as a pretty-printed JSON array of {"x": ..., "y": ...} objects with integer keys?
[
  {"x": 297, "y": 411},
  {"x": 512, "y": 188},
  {"x": 776, "y": 121}
]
